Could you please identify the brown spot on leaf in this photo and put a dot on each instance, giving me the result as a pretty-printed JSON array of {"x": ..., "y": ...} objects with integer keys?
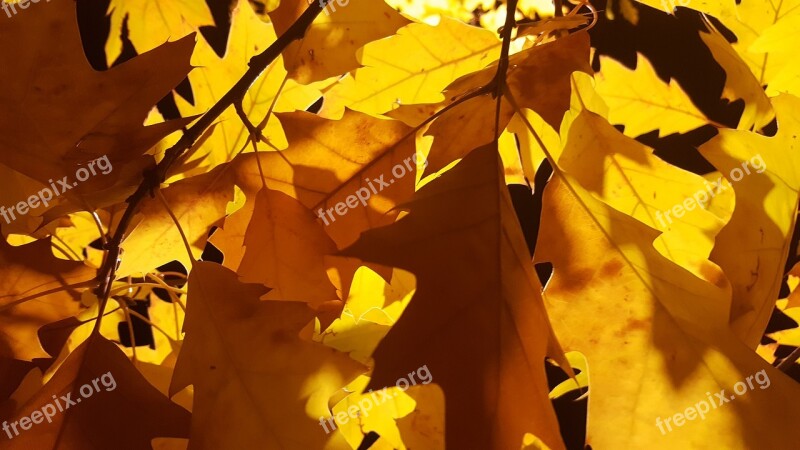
[
  {"x": 636, "y": 325},
  {"x": 611, "y": 268},
  {"x": 578, "y": 280}
]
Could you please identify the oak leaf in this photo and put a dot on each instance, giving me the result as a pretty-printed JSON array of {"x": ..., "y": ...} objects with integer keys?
[
  {"x": 615, "y": 299},
  {"x": 477, "y": 304},
  {"x": 329, "y": 45},
  {"x": 101, "y": 419},
  {"x": 642, "y": 102},
  {"x": 34, "y": 291},
  {"x": 753, "y": 247},
  {"x": 256, "y": 381},
  {"x": 47, "y": 84}
]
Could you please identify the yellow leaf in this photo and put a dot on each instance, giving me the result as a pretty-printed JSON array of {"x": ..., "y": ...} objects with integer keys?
[
  {"x": 198, "y": 203},
  {"x": 412, "y": 67},
  {"x": 257, "y": 382},
  {"x": 777, "y": 45},
  {"x": 285, "y": 250},
  {"x": 330, "y": 160},
  {"x": 424, "y": 427},
  {"x": 123, "y": 394},
  {"x": 789, "y": 336},
  {"x": 150, "y": 23},
  {"x": 214, "y": 76},
  {"x": 539, "y": 80},
  {"x": 615, "y": 299},
  {"x": 627, "y": 176},
  {"x": 764, "y": 37},
  {"x": 329, "y": 45},
  {"x": 642, "y": 102},
  {"x": 372, "y": 307},
  {"x": 740, "y": 83},
  {"x": 375, "y": 413},
  {"x": 462, "y": 242},
  {"x": 753, "y": 247}
]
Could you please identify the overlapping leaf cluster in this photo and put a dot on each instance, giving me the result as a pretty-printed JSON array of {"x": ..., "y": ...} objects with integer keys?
[{"x": 308, "y": 309}]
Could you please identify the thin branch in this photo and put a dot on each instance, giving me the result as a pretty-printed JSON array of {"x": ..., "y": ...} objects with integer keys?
[
  {"x": 153, "y": 285},
  {"x": 163, "y": 201},
  {"x": 499, "y": 81},
  {"x": 47, "y": 292},
  {"x": 174, "y": 274},
  {"x": 99, "y": 224},
  {"x": 130, "y": 329},
  {"x": 254, "y": 138},
  {"x": 170, "y": 291},
  {"x": 787, "y": 362},
  {"x": 149, "y": 322},
  {"x": 154, "y": 177},
  {"x": 263, "y": 123},
  {"x": 71, "y": 254}
]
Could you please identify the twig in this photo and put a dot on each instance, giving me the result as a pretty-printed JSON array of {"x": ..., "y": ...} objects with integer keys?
[
  {"x": 164, "y": 203},
  {"x": 787, "y": 362},
  {"x": 66, "y": 287},
  {"x": 155, "y": 176},
  {"x": 99, "y": 224},
  {"x": 499, "y": 81}
]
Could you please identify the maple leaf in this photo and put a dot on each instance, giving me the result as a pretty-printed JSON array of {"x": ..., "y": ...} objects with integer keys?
[
  {"x": 252, "y": 353},
  {"x": 784, "y": 69},
  {"x": 372, "y": 308},
  {"x": 477, "y": 304}
]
